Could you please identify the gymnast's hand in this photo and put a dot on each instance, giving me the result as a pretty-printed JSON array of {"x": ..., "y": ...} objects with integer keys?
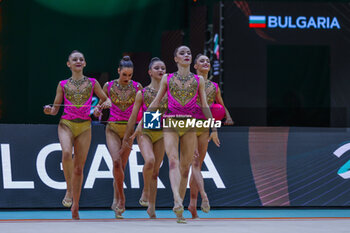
[
  {"x": 215, "y": 138},
  {"x": 126, "y": 145},
  {"x": 47, "y": 109},
  {"x": 138, "y": 132},
  {"x": 228, "y": 121},
  {"x": 97, "y": 111},
  {"x": 106, "y": 104},
  {"x": 196, "y": 153}
]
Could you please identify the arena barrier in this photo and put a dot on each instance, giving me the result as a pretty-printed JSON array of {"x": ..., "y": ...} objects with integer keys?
[{"x": 255, "y": 166}]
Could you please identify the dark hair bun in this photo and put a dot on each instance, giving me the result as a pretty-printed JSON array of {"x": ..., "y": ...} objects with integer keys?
[
  {"x": 126, "y": 58},
  {"x": 75, "y": 51},
  {"x": 126, "y": 62},
  {"x": 197, "y": 57},
  {"x": 155, "y": 59}
]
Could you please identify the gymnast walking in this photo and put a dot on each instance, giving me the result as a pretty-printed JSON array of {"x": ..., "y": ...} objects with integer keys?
[
  {"x": 213, "y": 93},
  {"x": 151, "y": 142},
  {"x": 74, "y": 128},
  {"x": 122, "y": 92}
]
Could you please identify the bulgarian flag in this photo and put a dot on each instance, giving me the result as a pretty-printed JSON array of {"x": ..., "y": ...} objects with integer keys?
[{"x": 257, "y": 21}]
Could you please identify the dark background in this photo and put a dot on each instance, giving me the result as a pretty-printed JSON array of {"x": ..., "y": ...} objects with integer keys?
[{"x": 287, "y": 77}]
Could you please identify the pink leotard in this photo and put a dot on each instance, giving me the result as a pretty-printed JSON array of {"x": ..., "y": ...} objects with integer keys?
[
  {"x": 211, "y": 89},
  {"x": 121, "y": 108},
  {"x": 182, "y": 100},
  {"x": 77, "y": 103},
  {"x": 148, "y": 95}
]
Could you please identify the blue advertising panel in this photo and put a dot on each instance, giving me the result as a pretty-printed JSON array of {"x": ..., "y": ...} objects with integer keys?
[{"x": 254, "y": 166}]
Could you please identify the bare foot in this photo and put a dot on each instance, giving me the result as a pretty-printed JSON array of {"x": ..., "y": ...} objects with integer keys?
[
  {"x": 75, "y": 212},
  {"x": 193, "y": 211},
  {"x": 151, "y": 213}
]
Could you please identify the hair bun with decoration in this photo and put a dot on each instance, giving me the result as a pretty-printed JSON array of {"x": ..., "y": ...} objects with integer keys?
[
  {"x": 126, "y": 62},
  {"x": 126, "y": 58}
]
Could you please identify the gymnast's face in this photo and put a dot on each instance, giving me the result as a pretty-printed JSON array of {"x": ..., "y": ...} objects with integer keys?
[
  {"x": 183, "y": 56},
  {"x": 76, "y": 62},
  {"x": 125, "y": 75},
  {"x": 202, "y": 64},
  {"x": 157, "y": 70}
]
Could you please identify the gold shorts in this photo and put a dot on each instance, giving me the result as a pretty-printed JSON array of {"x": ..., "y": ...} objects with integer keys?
[
  {"x": 118, "y": 127},
  {"x": 154, "y": 135},
  {"x": 76, "y": 127},
  {"x": 180, "y": 130},
  {"x": 200, "y": 130}
]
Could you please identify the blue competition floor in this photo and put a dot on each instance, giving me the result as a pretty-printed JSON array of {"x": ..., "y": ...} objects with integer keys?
[{"x": 161, "y": 214}]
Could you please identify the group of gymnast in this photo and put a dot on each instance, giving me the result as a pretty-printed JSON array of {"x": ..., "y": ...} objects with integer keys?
[{"x": 178, "y": 93}]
